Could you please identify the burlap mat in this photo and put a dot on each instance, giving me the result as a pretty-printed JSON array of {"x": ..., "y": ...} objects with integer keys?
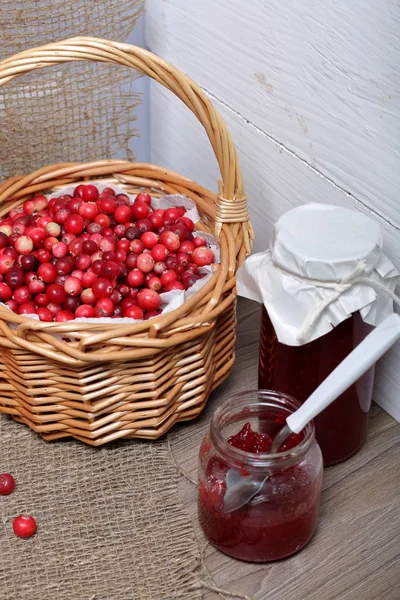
[
  {"x": 111, "y": 525},
  {"x": 74, "y": 112}
]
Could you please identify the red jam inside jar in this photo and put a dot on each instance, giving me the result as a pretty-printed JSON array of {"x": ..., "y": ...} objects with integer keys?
[
  {"x": 298, "y": 370},
  {"x": 282, "y": 517}
]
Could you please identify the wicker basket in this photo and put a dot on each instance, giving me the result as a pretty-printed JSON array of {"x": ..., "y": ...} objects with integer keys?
[{"x": 97, "y": 382}]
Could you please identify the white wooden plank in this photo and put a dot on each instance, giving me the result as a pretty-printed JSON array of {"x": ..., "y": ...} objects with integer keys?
[
  {"x": 275, "y": 182},
  {"x": 322, "y": 78}
]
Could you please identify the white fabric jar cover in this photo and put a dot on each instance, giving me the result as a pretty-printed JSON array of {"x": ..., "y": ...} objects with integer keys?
[{"x": 324, "y": 263}]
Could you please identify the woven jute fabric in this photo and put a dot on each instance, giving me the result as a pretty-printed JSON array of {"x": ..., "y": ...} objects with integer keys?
[
  {"x": 111, "y": 525},
  {"x": 74, "y": 112}
]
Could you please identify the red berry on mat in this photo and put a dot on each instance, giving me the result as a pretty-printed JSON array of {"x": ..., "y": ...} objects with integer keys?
[{"x": 7, "y": 484}]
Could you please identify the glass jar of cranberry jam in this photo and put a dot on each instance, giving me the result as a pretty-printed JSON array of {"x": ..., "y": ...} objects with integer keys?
[
  {"x": 281, "y": 517},
  {"x": 341, "y": 428}
]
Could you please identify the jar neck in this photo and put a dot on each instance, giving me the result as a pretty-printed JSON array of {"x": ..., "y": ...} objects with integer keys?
[{"x": 261, "y": 404}]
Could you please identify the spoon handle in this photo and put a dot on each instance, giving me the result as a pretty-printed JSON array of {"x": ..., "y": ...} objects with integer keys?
[{"x": 350, "y": 369}]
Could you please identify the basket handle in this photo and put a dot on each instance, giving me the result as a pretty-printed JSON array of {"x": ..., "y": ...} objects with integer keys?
[{"x": 231, "y": 206}]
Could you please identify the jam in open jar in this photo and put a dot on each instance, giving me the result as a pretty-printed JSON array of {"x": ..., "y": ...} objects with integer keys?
[
  {"x": 298, "y": 370},
  {"x": 282, "y": 516}
]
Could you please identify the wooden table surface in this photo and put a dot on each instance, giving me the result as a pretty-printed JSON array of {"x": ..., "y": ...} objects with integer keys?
[{"x": 355, "y": 553}]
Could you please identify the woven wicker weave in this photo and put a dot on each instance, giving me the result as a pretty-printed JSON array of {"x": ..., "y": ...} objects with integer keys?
[{"x": 99, "y": 382}]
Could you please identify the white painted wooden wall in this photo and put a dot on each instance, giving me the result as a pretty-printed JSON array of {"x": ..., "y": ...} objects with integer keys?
[{"x": 311, "y": 93}]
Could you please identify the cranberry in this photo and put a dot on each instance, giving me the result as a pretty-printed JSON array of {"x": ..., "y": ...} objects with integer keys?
[
  {"x": 97, "y": 266},
  {"x": 136, "y": 246},
  {"x": 24, "y": 245},
  {"x": 119, "y": 230},
  {"x": 107, "y": 244},
  {"x": 136, "y": 278},
  {"x": 94, "y": 228},
  {"x": 104, "y": 307},
  {"x": 133, "y": 312},
  {"x": 128, "y": 302},
  {"x": 148, "y": 299},
  {"x": 27, "y": 308},
  {"x": 88, "y": 297},
  {"x": 60, "y": 249},
  {"x": 55, "y": 293},
  {"x": 36, "y": 286},
  {"x": 63, "y": 265},
  {"x": 7, "y": 484},
  {"x": 62, "y": 215},
  {"x": 188, "y": 223},
  {"x": 84, "y": 310},
  {"x": 159, "y": 268},
  {"x": 108, "y": 190},
  {"x": 108, "y": 205},
  {"x": 140, "y": 209},
  {"x": 47, "y": 272},
  {"x": 202, "y": 256},
  {"x": 49, "y": 243},
  {"x": 123, "y": 290},
  {"x": 154, "y": 283},
  {"x": 122, "y": 214},
  {"x": 71, "y": 303},
  {"x": 102, "y": 288},
  {"x": 168, "y": 277},
  {"x": 182, "y": 259},
  {"x": 145, "y": 262},
  {"x": 18, "y": 228},
  {"x": 142, "y": 197},
  {"x": 170, "y": 240},
  {"x": 43, "y": 255},
  {"x": 187, "y": 246},
  {"x": 3, "y": 240},
  {"x": 188, "y": 279},
  {"x": 24, "y": 526},
  {"x": 132, "y": 233},
  {"x": 12, "y": 305},
  {"x": 41, "y": 300},
  {"x": 5, "y": 294},
  {"x": 74, "y": 224},
  {"x": 123, "y": 245},
  {"x": 121, "y": 255},
  {"x": 75, "y": 247},
  {"x": 110, "y": 270},
  {"x": 170, "y": 261},
  {"x": 144, "y": 225},
  {"x": 6, "y": 229},
  {"x": 90, "y": 247},
  {"x": 6, "y": 263},
  {"x": 44, "y": 314},
  {"x": 83, "y": 262},
  {"x": 87, "y": 192},
  {"x": 199, "y": 241},
  {"x": 174, "y": 285},
  {"x": 102, "y": 220},
  {"x": 14, "y": 278},
  {"x": 88, "y": 210},
  {"x": 64, "y": 315},
  {"x": 22, "y": 294},
  {"x": 73, "y": 286},
  {"x": 29, "y": 262},
  {"x": 54, "y": 308},
  {"x": 88, "y": 278},
  {"x": 157, "y": 218}
]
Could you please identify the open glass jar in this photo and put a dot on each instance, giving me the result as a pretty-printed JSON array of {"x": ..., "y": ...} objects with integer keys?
[{"x": 282, "y": 517}]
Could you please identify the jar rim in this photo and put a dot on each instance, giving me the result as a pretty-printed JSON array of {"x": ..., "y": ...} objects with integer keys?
[{"x": 249, "y": 399}]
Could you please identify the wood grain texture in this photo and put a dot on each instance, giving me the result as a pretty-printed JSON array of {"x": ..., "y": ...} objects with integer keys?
[
  {"x": 322, "y": 79},
  {"x": 355, "y": 553}
]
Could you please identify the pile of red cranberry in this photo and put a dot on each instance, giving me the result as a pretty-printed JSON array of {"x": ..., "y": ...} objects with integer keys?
[{"x": 94, "y": 254}]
